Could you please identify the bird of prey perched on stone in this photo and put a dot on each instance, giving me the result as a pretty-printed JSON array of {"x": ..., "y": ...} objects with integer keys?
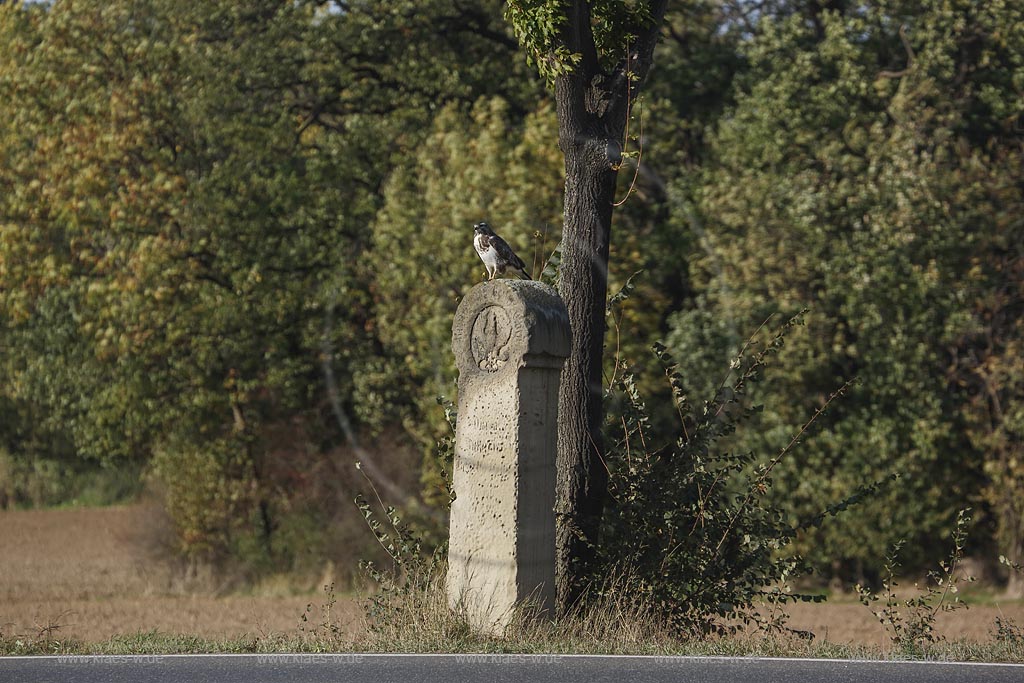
[{"x": 496, "y": 254}]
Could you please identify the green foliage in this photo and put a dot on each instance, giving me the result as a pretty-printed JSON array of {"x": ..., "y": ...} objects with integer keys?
[
  {"x": 910, "y": 622},
  {"x": 475, "y": 164},
  {"x": 208, "y": 494},
  {"x": 414, "y": 572},
  {"x": 188, "y": 199},
  {"x": 540, "y": 26},
  {"x": 165, "y": 284},
  {"x": 1007, "y": 631},
  {"x": 691, "y": 524},
  {"x": 62, "y": 479},
  {"x": 200, "y": 206},
  {"x": 854, "y": 176}
]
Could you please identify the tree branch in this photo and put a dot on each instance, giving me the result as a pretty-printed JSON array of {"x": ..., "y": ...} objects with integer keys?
[
  {"x": 578, "y": 37},
  {"x": 631, "y": 71}
]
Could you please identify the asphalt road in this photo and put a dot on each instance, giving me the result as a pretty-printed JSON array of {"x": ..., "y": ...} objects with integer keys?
[{"x": 489, "y": 668}]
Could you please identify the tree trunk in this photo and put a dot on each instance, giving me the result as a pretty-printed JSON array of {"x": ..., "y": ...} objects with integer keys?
[
  {"x": 1012, "y": 532},
  {"x": 1015, "y": 585},
  {"x": 593, "y": 105},
  {"x": 583, "y": 284}
]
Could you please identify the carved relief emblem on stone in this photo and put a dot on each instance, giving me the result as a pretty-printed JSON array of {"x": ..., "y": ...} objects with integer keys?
[{"x": 492, "y": 333}]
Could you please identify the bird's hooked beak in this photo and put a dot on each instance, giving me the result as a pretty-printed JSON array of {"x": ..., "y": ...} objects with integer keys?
[{"x": 481, "y": 227}]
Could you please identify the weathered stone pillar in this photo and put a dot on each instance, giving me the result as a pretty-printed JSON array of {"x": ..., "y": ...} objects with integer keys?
[{"x": 510, "y": 338}]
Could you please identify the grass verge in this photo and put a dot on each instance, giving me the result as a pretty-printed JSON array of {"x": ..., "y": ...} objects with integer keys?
[
  {"x": 419, "y": 621},
  {"x": 154, "y": 643}
]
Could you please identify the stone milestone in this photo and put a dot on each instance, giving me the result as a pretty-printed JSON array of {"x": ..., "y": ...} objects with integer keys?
[{"x": 510, "y": 339}]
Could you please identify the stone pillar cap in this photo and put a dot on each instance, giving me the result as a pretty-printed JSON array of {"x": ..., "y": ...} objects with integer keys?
[{"x": 502, "y": 325}]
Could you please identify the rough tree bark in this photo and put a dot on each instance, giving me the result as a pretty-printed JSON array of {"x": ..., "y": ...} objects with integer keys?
[{"x": 592, "y": 107}]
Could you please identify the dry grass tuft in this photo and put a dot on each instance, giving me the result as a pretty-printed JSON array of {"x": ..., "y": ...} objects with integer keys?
[{"x": 419, "y": 620}]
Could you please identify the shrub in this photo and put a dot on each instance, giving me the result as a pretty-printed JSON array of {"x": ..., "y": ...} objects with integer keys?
[
  {"x": 690, "y": 521},
  {"x": 208, "y": 495},
  {"x": 910, "y": 622}
]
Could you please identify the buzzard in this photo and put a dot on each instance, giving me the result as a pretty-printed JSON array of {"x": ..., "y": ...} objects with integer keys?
[{"x": 496, "y": 254}]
